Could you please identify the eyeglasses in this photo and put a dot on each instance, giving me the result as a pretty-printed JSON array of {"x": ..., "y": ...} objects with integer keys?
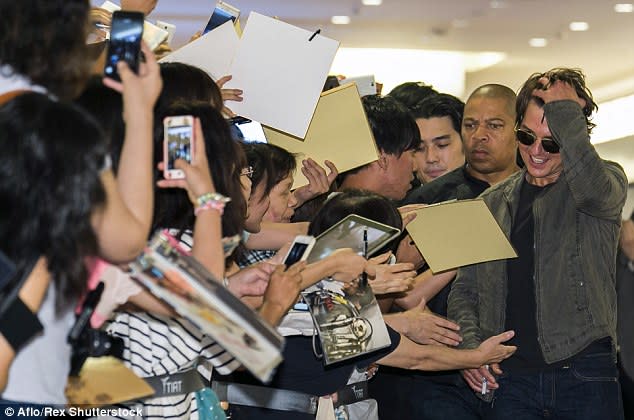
[
  {"x": 527, "y": 138},
  {"x": 248, "y": 172}
]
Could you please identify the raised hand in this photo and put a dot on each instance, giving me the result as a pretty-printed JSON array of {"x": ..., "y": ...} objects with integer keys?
[
  {"x": 197, "y": 179},
  {"x": 141, "y": 90},
  {"x": 427, "y": 328},
  {"x": 229, "y": 95},
  {"x": 408, "y": 212},
  {"x": 492, "y": 349},
  {"x": 282, "y": 292},
  {"x": 252, "y": 280},
  {"x": 385, "y": 278},
  {"x": 557, "y": 90},
  {"x": 318, "y": 181}
]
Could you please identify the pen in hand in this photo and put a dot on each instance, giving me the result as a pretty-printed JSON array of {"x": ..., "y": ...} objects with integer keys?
[{"x": 364, "y": 275}]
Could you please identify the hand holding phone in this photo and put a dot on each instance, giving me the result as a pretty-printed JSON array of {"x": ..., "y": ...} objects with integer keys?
[
  {"x": 125, "y": 42},
  {"x": 178, "y": 143},
  {"x": 300, "y": 248}
]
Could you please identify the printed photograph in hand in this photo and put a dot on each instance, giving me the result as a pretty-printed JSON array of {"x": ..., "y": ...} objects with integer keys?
[{"x": 347, "y": 318}]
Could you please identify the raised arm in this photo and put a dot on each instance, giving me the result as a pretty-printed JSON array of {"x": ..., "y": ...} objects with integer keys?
[
  {"x": 598, "y": 187},
  {"x": 276, "y": 235},
  {"x": 426, "y": 285},
  {"x": 123, "y": 223},
  {"x": 409, "y": 355},
  {"x": 200, "y": 188}
]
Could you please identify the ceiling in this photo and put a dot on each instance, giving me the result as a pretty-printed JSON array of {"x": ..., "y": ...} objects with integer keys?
[{"x": 605, "y": 52}]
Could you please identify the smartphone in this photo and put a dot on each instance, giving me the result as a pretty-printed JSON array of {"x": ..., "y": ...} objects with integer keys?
[
  {"x": 222, "y": 13},
  {"x": 170, "y": 28},
  {"x": 126, "y": 32},
  {"x": 178, "y": 143},
  {"x": 300, "y": 248}
]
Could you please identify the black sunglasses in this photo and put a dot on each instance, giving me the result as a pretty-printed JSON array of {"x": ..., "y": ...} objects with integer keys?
[{"x": 527, "y": 138}]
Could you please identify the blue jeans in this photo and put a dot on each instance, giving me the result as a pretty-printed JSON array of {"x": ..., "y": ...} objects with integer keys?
[
  {"x": 442, "y": 401},
  {"x": 586, "y": 389}
]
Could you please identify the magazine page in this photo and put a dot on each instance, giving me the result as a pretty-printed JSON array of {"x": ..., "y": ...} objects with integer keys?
[
  {"x": 185, "y": 285},
  {"x": 347, "y": 318}
]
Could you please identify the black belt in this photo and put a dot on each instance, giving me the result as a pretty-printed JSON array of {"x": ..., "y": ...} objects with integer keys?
[
  {"x": 284, "y": 399},
  {"x": 176, "y": 383}
]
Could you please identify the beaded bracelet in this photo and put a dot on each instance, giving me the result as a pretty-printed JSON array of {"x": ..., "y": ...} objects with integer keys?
[{"x": 211, "y": 201}]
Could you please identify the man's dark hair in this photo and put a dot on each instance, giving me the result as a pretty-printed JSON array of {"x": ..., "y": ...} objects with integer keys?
[
  {"x": 438, "y": 106},
  {"x": 573, "y": 76},
  {"x": 45, "y": 41},
  {"x": 411, "y": 93},
  {"x": 394, "y": 129}
]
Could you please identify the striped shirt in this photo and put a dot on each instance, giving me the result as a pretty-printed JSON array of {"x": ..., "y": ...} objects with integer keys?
[{"x": 157, "y": 345}]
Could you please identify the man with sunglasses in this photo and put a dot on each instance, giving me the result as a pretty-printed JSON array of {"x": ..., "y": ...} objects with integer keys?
[{"x": 562, "y": 214}]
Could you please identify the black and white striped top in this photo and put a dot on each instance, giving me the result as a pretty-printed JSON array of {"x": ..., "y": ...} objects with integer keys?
[{"x": 157, "y": 345}]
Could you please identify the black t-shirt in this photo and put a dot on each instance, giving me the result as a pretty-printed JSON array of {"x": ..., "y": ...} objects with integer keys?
[
  {"x": 302, "y": 371},
  {"x": 521, "y": 308},
  {"x": 521, "y": 305}
]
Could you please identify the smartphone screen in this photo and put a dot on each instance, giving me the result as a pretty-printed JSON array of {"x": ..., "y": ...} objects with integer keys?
[
  {"x": 178, "y": 144},
  {"x": 251, "y": 131},
  {"x": 295, "y": 253},
  {"x": 125, "y": 42},
  {"x": 220, "y": 16}
]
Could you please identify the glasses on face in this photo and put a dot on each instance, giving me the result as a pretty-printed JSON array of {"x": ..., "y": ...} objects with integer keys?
[
  {"x": 248, "y": 172},
  {"x": 527, "y": 138}
]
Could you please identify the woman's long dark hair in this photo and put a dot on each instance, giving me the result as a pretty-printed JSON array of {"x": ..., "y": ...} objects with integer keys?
[
  {"x": 172, "y": 207},
  {"x": 186, "y": 82},
  {"x": 106, "y": 106},
  {"x": 51, "y": 158}
]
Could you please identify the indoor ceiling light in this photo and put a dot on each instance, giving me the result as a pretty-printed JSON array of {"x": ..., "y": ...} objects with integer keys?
[
  {"x": 579, "y": 26},
  {"x": 340, "y": 20},
  {"x": 538, "y": 42},
  {"x": 624, "y": 8},
  {"x": 372, "y": 2},
  {"x": 497, "y": 4}
]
